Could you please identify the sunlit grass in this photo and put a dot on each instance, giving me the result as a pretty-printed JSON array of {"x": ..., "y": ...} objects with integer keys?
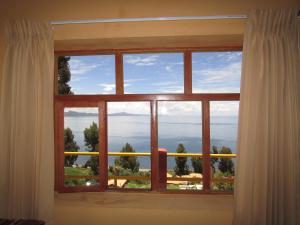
[
  {"x": 138, "y": 184},
  {"x": 70, "y": 171}
]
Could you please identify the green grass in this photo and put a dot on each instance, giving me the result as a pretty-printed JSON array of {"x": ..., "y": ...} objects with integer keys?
[
  {"x": 172, "y": 186},
  {"x": 142, "y": 185},
  {"x": 222, "y": 186},
  {"x": 70, "y": 171}
]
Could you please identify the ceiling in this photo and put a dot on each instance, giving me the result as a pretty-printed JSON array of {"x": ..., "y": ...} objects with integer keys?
[{"x": 147, "y": 34}]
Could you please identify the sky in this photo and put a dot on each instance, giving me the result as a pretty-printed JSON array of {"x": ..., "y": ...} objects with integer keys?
[{"x": 212, "y": 72}]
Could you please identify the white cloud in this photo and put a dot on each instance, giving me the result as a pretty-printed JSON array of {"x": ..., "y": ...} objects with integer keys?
[
  {"x": 129, "y": 107},
  {"x": 231, "y": 72},
  {"x": 76, "y": 79},
  {"x": 141, "y": 60},
  {"x": 165, "y": 83},
  {"x": 219, "y": 108},
  {"x": 79, "y": 67},
  {"x": 176, "y": 63},
  {"x": 179, "y": 108},
  {"x": 134, "y": 80},
  {"x": 169, "y": 87},
  {"x": 173, "y": 89},
  {"x": 229, "y": 56},
  {"x": 188, "y": 108},
  {"x": 225, "y": 108},
  {"x": 214, "y": 89},
  {"x": 107, "y": 87},
  {"x": 76, "y": 90},
  {"x": 218, "y": 80},
  {"x": 82, "y": 110},
  {"x": 168, "y": 68}
]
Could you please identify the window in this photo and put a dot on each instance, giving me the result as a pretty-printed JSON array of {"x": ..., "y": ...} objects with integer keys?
[
  {"x": 216, "y": 72},
  {"x": 81, "y": 136},
  {"x": 153, "y": 73},
  {"x": 83, "y": 75},
  {"x": 180, "y": 132},
  {"x": 128, "y": 133},
  {"x": 147, "y": 121},
  {"x": 223, "y": 133}
]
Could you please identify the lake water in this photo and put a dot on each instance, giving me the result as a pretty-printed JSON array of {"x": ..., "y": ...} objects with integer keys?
[{"x": 172, "y": 130}]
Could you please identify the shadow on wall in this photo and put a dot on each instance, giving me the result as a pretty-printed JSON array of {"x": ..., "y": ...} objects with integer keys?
[
  {"x": 142, "y": 209},
  {"x": 1, "y": 49}
]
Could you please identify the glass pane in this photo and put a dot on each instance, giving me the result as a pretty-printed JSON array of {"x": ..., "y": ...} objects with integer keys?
[
  {"x": 81, "y": 135},
  {"x": 180, "y": 131},
  {"x": 188, "y": 169},
  {"x": 129, "y": 172},
  {"x": 153, "y": 73},
  {"x": 216, "y": 72},
  {"x": 86, "y": 166},
  {"x": 129, "y": 132},
  {"x": 86, "y": 74},
  {"x": 224, "y": 124}
]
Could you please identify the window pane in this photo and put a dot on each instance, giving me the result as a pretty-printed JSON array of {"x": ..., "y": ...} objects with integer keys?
[
  {"x": 224, "y": 123},
  {"x": 129, "y": 132},
  {"x": 180, "y": 131},
  {"x": 216, "y": 72},
  {"x": 86, "y": 74},
  {"x": 153, "y": 73},
  {"x": 85, "y": 167},
  {"x": 81, "y": 135}
]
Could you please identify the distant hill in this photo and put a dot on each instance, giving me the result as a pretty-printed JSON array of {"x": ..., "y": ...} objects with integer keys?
[
  {"x": 82, "y": 114},
  {"x": 125, "y": 114},
  {"x": 79, "y": 114}
]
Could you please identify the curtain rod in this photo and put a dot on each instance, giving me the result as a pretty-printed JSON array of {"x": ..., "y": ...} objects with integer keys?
[{"x": 148, "y": 19}]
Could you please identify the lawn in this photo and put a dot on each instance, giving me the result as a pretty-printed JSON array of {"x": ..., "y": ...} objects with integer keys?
[
  {"x": 70, "y": 171},
  {"x": 140, "y": 184}
]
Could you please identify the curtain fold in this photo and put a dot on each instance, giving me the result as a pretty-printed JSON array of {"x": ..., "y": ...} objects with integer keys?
[
  {"x": 26, "y": 118},
  {"x": 268, "y": 166}
]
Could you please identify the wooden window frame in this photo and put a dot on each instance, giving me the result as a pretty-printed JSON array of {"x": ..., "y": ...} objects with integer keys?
[{"x": 100, "y": 101}]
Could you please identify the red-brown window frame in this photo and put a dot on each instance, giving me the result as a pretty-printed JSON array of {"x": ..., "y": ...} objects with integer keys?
[{"x": 100, "y": 101}]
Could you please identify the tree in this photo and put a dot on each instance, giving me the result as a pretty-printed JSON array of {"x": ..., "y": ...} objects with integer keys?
[
  {"x": 93, "y": 164},
  {"x": 197, "y": 165},
  {"x": 226, "y": 164},
  {"x": 214, "y": 160},
  {"x": 222, "y": 186},
  {"x": 128, "y": 162},
  {"x": 70, "y": 146},
  {"x": 64, "y": 76},
  {"x": 91, "y": 139},
  {"x": 181, "y": 167}
]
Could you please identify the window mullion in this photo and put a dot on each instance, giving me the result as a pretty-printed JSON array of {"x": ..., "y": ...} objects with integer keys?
[
  {"x": 187, "y": 72},
  {"x": 103, "y": 156},
  {"x": 154, "y": 147},
  {"x": 206, "y": 145},
  {"x": 119, "y": 74}
]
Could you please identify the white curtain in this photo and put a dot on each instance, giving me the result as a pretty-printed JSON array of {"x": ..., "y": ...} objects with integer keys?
[
  {"x": 26, "y": 118},
  {"x": 268, "y": 166}
]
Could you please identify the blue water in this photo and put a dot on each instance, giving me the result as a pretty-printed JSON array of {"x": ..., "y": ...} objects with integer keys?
[{"x": 172, "y": 130}]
